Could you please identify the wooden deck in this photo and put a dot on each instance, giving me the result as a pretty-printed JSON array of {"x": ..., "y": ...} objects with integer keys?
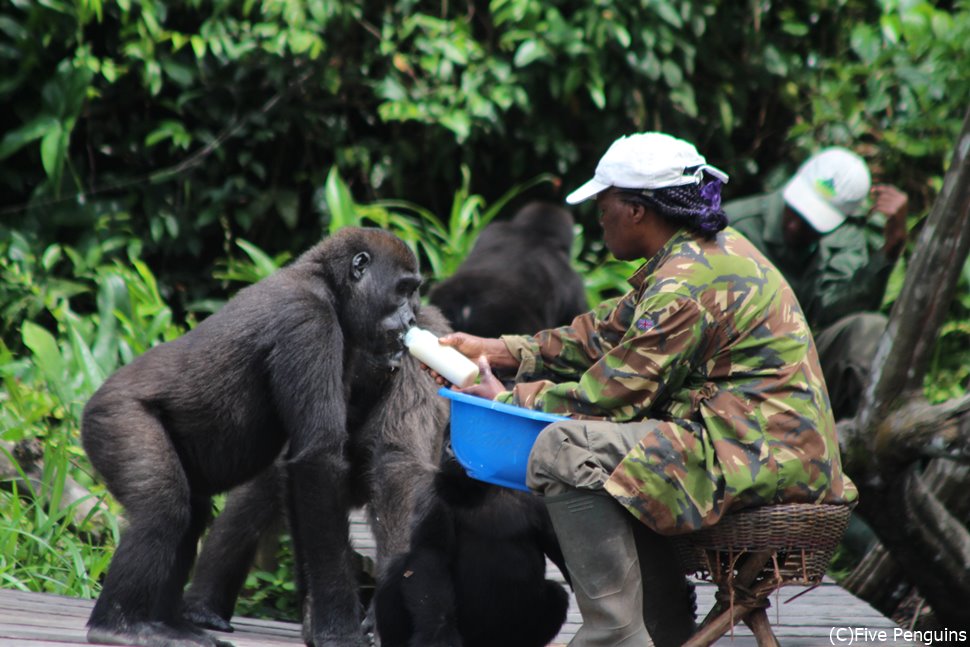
[{"x": 39, "y": 620}]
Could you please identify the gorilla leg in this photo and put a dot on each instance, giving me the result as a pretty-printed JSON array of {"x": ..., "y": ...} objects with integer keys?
[
  {"x": 251, "y": 510},
  {"x": 200, "y": 513},
  {"x": 319, "y": 507},
  {"x": 141, "y": 592}
]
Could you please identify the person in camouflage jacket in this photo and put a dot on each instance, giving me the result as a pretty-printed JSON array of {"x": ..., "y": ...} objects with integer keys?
[
  {"x": 697, "y": 392},
  {"x": 718, "y": 353}
]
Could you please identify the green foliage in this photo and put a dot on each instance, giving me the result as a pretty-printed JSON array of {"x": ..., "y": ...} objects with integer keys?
[
  {"x": 194, "y": 123},
  {"x": 898, "y": 93},
  {"x": 272, "y": 593},
  {"x": 44, "y": 547}
]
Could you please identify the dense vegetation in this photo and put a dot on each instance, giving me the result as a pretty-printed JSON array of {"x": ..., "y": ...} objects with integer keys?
[{"x": 155, "y": 156}]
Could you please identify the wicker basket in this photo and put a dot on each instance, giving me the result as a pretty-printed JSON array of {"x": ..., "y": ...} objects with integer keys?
[{"x": 801, "y": 537}]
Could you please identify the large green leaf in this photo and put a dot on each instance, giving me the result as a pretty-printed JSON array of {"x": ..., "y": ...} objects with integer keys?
[{"x": 31, "y": 131}]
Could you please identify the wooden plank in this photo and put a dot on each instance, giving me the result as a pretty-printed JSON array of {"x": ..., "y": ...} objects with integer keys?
[
  {"x": 40, "y": 620},
  {"x": 46, "y": 620}
]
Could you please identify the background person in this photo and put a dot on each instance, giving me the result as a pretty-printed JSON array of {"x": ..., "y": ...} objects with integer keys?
[
  {"x": 696, "y": 392},
  {"x": 835, "y": 258}
]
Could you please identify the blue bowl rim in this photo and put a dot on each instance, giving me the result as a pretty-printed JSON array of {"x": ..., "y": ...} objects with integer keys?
[{"x": 501, "y": 407}]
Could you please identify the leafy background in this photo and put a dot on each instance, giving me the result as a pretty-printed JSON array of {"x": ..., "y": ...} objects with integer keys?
[{"x": 157, "y": 155}]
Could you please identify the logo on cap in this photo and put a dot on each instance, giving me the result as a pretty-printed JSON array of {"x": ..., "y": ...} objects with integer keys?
[{"x": 826, "y": 187}]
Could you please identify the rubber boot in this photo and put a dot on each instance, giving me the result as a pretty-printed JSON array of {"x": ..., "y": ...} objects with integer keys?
[
  {"x": 596, "y": 536},
  {"x": 669, "y": 600}
]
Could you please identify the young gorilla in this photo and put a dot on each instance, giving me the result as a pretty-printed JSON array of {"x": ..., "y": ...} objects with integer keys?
[
  {"x": 214, "y": 408},
  {"x": 517, "y": 278},
  {"x": 475, "y": 575},
  {"x": 396, "y": 425}
]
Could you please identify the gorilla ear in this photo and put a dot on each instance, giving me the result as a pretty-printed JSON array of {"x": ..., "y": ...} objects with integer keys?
[{"x": 359, "y": 263}]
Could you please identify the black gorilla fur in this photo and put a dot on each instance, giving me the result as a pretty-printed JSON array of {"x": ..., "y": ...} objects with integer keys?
[
  {"x": 475, "y": 574},
  {"x": 213, "y": 409},
  {"x": 517, "y": 278},
  {"x": 398, "y": 433}
]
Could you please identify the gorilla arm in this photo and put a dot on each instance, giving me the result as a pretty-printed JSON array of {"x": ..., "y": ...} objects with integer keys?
[{"x": 306, "y": 371}]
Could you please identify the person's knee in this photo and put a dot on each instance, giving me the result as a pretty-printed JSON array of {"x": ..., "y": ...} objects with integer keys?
[{"x": 543, "y": 475}]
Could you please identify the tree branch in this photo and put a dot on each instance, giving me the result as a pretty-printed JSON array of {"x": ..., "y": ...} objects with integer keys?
[{"x": 906, "y": 348}]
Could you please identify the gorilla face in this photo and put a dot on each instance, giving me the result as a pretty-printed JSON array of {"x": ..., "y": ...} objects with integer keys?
[{"x": 383, "y": 280}]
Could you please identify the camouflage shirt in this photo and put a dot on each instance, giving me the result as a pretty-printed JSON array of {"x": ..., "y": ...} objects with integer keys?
[
  {"x": 843, "y": 273},
  {"x": 711, "y": 345}
]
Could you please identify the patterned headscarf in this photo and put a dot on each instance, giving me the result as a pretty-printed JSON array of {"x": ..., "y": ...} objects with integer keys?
[{"x": 696, "y": 206}]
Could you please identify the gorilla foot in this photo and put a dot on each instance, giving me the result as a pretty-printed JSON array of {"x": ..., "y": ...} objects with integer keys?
[
  {"x": 153, "y": 634},
  {"x": 201, "y": 615}
]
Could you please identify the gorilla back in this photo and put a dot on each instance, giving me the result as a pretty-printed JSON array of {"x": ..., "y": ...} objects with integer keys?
[
  {"x": 517, "y": 278},
  {"x": 212, "y": 409}
]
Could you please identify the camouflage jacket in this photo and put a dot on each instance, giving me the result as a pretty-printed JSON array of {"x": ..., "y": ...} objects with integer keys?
[
  {"x": 711, "y": 346},
  {"x": 844, "y": 273}
]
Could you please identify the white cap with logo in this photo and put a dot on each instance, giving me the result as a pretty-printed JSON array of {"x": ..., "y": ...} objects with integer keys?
[
  {"x": 646, "y": 161},
  {"x": 829, "y": 186}
]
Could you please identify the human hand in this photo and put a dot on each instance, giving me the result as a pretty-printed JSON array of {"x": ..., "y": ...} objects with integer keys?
[
  {"x": 893, "y": 203},
  {"x": 488, "y": 385},
  {"x": 494, "y": 350},
  {"x": 468, "y": 345},
  {"x": 472, "y": 347}
]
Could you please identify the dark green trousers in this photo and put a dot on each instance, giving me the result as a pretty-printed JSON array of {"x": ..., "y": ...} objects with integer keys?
[{"x": 846, "y": 350}]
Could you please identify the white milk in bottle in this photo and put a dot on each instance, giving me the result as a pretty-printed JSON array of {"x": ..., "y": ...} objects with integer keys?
[{"x": 444, "y": 360}]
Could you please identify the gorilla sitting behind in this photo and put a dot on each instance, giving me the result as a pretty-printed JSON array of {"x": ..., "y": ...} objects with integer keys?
[{"x": 517, "y": 278}]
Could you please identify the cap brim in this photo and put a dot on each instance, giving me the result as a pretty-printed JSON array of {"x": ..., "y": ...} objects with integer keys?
[
  {"x": 586, "y": 191},
  {"x": 822, "y": 216}
]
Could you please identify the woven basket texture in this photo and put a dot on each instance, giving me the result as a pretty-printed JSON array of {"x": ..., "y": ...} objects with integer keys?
[{"x": 801, "y": 537}]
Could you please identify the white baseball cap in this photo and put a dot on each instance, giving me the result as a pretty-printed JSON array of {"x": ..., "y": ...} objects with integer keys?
[
  {"x": 646, "y": 161},
  {"x": 829, "y": 186}
]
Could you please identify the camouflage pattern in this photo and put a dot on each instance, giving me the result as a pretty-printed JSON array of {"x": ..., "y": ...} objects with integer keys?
[
  {"x": 712, "y": 348},
  {"x": 844, "y": 273}
]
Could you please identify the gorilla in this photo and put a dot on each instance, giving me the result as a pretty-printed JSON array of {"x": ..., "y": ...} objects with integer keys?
[
  {"x": 517, "y": 278},
  {"x": 273, "y": 369},
  {"x": 475, "y": 574},
  {"x": 396, "y": 427}
]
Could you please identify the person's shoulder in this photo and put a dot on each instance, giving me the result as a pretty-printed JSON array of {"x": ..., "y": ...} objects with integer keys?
[{"x": 702, "y": 260}]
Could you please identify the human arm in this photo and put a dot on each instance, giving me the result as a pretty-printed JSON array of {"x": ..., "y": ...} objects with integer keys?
[
  {"x": 565, "y": 353},
  {"x": 894, "y": 204},
  {"x": 665, "y": 339}
]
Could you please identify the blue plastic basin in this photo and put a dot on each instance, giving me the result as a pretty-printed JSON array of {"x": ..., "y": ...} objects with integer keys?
[{"x": 492, "y": 440}]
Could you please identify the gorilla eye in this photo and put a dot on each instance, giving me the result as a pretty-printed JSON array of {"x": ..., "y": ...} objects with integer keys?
[{"x": 359, "y": 264}]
